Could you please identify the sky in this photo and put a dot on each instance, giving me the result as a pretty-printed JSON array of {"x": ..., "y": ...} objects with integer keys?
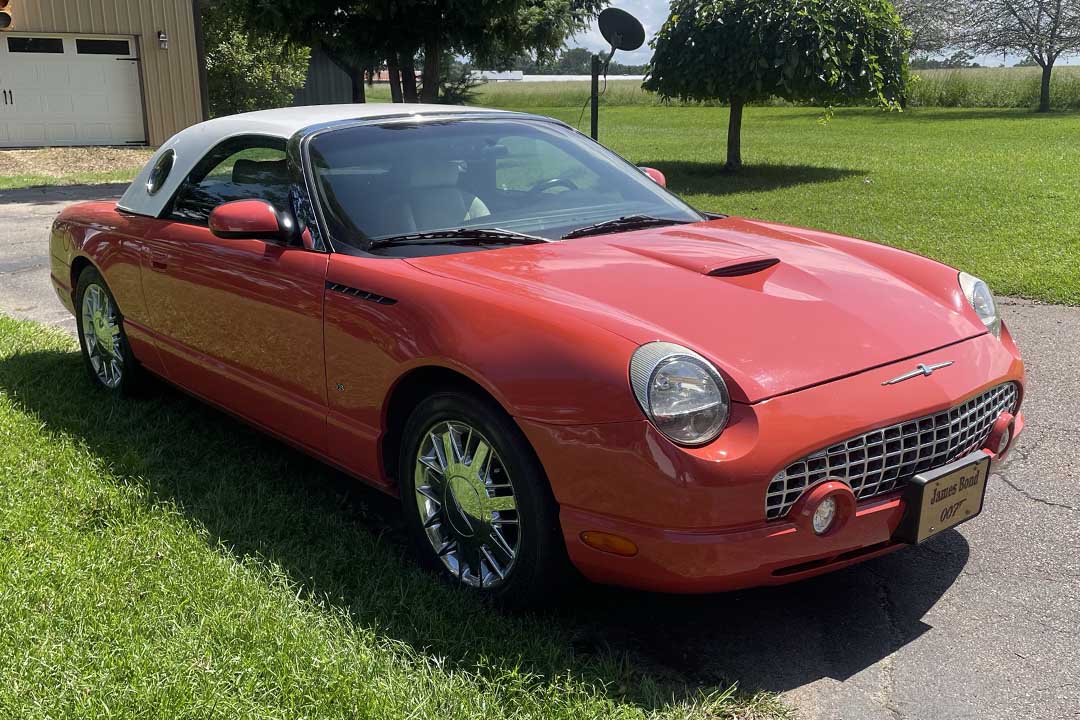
[{"x": 653, "y": 13}]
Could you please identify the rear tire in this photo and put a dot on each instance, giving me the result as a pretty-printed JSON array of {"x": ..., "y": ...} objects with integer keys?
[
  {"x": 105, "y": 348},
  {"x": 479, "y": 508}
]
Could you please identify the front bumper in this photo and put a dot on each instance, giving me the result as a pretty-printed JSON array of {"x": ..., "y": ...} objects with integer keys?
[
  {"x": 697, "y": 562},
  {"x": 697, "y": 515}
]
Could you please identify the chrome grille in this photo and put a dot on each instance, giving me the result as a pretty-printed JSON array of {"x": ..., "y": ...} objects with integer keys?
[{"x": 879, "y": 461}]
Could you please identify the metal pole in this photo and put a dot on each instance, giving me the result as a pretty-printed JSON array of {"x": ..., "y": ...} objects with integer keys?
[{"x": 595, "y": 95}]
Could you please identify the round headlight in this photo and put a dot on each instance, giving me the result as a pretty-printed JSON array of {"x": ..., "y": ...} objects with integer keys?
[
  {"x": 982, "y": 300},
  {"x": 680, "y": 392}
]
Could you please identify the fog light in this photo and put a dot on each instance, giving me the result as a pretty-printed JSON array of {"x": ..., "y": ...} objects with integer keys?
[
  {"x": 824, "y": 515},
  {"x": 1003, "y": 442}
]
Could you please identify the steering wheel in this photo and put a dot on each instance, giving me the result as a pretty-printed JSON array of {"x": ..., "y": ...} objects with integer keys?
[{"x": 545, "y": 185}]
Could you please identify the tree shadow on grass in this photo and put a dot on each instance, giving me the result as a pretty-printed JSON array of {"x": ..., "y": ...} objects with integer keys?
[
  {"x": 344, "y": 542},
  {"x": 706, "y": 178}
]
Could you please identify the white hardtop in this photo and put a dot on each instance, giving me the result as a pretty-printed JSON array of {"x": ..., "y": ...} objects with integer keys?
[{"x": 191, "y": 144}]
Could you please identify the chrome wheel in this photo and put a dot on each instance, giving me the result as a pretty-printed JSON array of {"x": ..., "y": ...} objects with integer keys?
[
  {"x": 101, "y": 334},
  {"x": 467, "y": 504}
]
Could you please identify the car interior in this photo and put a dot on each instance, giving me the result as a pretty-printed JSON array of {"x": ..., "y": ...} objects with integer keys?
[
  {"x": 413, "y": 182},
  {"x": 236, "y": 170}
]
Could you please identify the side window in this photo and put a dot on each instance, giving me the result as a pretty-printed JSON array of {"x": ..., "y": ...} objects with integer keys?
[
  {"x": 529, "y": 162},
  {"x": 250, "y": 168}
]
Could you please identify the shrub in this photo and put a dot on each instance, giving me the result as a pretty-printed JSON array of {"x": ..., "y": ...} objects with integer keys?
[{"x": 245, "y": 71}]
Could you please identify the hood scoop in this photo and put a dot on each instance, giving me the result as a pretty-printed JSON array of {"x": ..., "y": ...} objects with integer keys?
[
  {"x": 706, "y": 258},
  {"x": 743, "y": 267}
]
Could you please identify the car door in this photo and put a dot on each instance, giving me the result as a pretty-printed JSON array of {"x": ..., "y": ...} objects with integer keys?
[{"x": 240, "y": 321}]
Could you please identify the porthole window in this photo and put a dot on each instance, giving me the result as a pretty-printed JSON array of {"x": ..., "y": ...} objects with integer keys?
[{"x": 161, "y": 171}]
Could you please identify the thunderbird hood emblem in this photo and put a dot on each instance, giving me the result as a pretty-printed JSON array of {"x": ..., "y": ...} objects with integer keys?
[{"x": 923, "y": 370}]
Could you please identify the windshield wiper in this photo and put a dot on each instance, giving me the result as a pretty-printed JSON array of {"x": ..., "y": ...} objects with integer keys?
[
  {"x": 461, "y": 235},
  {"x": 627, "y": 222}
]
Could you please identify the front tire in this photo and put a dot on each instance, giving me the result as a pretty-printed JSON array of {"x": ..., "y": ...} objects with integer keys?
[
  {"x": 478, "y": 506},
  {"x": 105, "y": 348}
]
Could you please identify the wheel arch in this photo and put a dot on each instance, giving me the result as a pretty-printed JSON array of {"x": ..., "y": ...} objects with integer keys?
[
  {"x": 78, "y": 264},
  {"x": 410, "y": 389}
]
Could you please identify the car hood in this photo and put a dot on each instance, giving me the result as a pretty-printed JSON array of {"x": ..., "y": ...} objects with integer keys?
[{"x": 775, "y": 308}]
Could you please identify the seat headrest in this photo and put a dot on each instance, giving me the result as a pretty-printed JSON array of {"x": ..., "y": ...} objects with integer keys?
[
  {"x": 260, "y": 172},
  {"x": 434, "y": 174}
]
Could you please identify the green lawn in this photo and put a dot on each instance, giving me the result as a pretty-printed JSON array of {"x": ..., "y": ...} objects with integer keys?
[
  {"x": 25, "y": 180},
  {"x": 158, "y": 560},
  {"x": 994, "y": 192}
]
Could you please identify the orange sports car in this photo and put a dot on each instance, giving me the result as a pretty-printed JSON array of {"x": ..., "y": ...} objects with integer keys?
[{"x": 550, "y": 358}]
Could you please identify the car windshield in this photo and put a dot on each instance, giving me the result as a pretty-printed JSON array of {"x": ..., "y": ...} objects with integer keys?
[{"x": 381, "y": 182}]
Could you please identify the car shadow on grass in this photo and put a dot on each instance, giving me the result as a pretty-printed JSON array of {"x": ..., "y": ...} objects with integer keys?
[
  {"x": 346, "y": 543},
  {"x": 708, "y": 178}
]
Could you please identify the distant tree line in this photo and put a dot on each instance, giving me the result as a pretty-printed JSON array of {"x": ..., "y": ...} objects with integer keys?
[
  {"x": 959, "y": 59},
  {"x": 569, "y": 61}
]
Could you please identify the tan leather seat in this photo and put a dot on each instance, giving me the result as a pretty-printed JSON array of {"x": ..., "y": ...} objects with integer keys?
[{"x": 434, "y": 200}]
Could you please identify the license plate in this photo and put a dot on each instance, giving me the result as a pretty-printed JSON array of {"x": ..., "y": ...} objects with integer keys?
[{"x": 944, "y": 498}]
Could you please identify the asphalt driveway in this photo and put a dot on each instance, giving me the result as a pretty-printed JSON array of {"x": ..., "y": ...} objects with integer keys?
[{"x": 982, "y": 622}]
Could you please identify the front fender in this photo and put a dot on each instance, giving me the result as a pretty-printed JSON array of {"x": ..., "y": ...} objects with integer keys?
[{"x": 535, "y": 362}]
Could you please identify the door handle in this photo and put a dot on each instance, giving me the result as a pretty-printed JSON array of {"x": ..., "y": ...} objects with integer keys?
[{"x": 158, "y": 262}]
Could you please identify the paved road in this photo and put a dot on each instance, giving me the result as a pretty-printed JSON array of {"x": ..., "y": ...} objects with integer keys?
[
  {"x": 981, "y": 623},
  {"x": 25, "y": 216}
]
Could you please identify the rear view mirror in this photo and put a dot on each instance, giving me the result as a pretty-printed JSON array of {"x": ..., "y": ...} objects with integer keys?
[
  {"x": 656, "y": 175},
  {"x": 252, "y": 220}
]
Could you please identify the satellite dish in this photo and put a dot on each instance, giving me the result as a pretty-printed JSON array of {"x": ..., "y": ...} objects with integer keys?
[
  {"x": 624, "y": 32},
  {"x": 621, "y": 29}
]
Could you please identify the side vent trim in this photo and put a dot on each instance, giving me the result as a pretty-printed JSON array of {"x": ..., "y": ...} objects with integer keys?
[
  {"x": 744, "y": 268},
  {"x": 358, "y": 293}
]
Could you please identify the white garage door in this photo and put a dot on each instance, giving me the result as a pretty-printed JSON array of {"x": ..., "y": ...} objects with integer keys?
[{"x": 69, "y": 90}]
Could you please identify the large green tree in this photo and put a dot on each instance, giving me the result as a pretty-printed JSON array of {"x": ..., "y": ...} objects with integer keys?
[
  {"x": 366, "y": 32},
  {"x": 742, "y": 51}
]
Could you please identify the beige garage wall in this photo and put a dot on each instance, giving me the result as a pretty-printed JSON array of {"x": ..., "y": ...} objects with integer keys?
[{"x": 170, "y": 78}]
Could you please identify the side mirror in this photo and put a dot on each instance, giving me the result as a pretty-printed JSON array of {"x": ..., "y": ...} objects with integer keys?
[
  {"x": 656, "y": 175},
  {"x": 252, "y": 220}
]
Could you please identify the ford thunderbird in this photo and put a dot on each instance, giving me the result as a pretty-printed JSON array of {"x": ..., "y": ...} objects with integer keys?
[{"x": 551, "y": 359}]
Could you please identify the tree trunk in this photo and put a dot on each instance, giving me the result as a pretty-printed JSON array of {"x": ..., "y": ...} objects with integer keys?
[
  {"x": 394, "y": 78},
  {"x": 356, "y": 75},
  {"x": 1044, "y": 92},
  {"x": 734, "y": 135},
  {"x": 408, "y": 76},
  {"x": 429, "y": 93}
]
